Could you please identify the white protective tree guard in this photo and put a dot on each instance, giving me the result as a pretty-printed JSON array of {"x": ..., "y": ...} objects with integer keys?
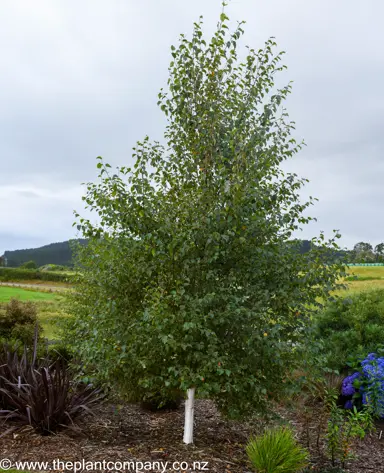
[{"x": 189, "y": 411}]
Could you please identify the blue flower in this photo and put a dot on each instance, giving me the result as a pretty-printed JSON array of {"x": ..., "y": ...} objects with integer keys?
[
  {"x": 373, "y": 381},
  {"x": 347, "y": 388},
  {"x": 348, "y": 405}
]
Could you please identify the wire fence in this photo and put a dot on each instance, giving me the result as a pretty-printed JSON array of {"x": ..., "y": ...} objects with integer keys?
[{"x": 365, "y": 264}]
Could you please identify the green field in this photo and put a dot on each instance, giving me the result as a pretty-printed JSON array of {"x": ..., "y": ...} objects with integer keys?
[
  {"x": 49, "y": 306},
  {"x": 371, "y": 272},
  {"x": 6, "y": 293},
  {"x": 368, "y": 277}
]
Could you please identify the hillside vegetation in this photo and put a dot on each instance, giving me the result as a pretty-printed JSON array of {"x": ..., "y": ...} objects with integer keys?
[{"x": 54, "y": 253}]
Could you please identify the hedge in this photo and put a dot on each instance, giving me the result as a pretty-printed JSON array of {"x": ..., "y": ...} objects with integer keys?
[{"x": 18, "y": 274}]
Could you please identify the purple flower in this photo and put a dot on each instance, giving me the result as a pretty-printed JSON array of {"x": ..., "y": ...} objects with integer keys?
[
  {"x": 370, "y": 357},
  {"x": 373, "y": 367},
  {"x": 372, "y": 389},
  {"x": 348, "y": 405},
  {"x": 347, "y": 388}
]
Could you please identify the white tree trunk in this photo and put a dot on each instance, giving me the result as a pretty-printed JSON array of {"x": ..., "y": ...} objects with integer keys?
[{"x": 189, "y": 409}]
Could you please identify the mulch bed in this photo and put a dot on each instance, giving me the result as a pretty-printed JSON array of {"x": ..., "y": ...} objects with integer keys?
[
  {"x": 129, "y": 433},
  {"x": 369, "y": 452}
]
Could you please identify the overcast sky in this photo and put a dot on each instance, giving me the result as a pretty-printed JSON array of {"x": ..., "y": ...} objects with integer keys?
[{"x": 80, "y": 79}]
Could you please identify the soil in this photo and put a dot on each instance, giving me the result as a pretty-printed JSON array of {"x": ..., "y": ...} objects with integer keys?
[{"x": 129, "y": 433}]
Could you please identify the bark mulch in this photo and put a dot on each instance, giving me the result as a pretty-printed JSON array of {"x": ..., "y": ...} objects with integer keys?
[
  {"x": 369, "y": 452},
  {"x": 129, "y": 433}
]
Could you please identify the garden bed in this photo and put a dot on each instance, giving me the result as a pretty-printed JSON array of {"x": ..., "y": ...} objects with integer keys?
[
  {"x": 369, "y": 451},
  {"x": 129, "y": 433}
]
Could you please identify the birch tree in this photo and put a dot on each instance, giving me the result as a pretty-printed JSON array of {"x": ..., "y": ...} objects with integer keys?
[{"x": 191, "y": 282}]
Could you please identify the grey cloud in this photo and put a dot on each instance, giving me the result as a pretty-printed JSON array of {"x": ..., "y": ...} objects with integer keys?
[
  {"x": 80, "y": 79},
  {"x": 28, "y": 194}
]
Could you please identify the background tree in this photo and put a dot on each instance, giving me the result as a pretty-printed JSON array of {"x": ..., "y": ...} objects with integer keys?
[
  {"x": 379, "y": 252},
  {"x": 363, "y": 252},
  {"x": 190, "y": 281},
  {"x": 29, "y": 265}
]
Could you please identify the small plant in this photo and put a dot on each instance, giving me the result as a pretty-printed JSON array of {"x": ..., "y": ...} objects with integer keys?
[
  {"x": 19, "y": 321},
  {"x": 38, "y": 393},
  {"x": 276, "y": 451},
  {"x": 343, "y": 427}
]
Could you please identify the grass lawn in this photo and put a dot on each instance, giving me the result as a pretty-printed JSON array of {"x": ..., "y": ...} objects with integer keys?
[
  {"x": 6, "y": 293},
  {"x": 368, "y": 277},
  {"x": 359, "y": 286},
  {"x": 50, "y": 314},
  {"x": 49, "y": 306},
  {"x": 371, "y": 272}
]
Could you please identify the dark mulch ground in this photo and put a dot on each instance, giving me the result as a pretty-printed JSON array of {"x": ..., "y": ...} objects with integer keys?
[
  {"x": 132, "y": 434},
  {"x": 369, "y": 452}
]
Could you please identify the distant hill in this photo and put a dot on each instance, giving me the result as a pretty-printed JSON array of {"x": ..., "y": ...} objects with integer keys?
[
  {"x": 61, "y": 253},
  {"x": 55, "y": 253}
]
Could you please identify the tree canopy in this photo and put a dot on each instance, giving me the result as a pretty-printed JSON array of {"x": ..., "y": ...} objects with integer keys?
[{"x": 190, "y": 278}]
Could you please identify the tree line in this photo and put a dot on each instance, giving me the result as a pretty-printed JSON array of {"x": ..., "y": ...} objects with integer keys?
[
  {"x": 365, "y": 253},
  {"x": 362, "y": 252},
  {"x": 62, "y": 254},
  {"x": 55, "y": 253}
]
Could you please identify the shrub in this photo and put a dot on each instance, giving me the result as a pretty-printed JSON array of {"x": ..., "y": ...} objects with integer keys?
[
  {"x": 160, "y": 401},
  {"x": 20, "y": 274},
  {"x": 36, "y": 392},
  {"x": 365, "y": 387},
  {"x": 52, "y": 276},
  {"x": 17, "y": 274},
  {"x": 19, "y": 321},
  {"x": 351, "y": 327},
  {"x": 276, "y": 451},
  {"x": 53, "y": 267},
  {"x": 60, "y": 350},
  {"x": 29, "y": 265}
]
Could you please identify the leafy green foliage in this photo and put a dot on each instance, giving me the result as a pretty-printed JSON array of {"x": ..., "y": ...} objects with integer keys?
[
  {"x": 343, "y": 428},
  {"x": 352, "y": 327},
  {"x": 191, "y": 277},
  {"x": 18, "y": 321},
  {"x": 53, "y": 267},
  {"x": 159, "y": 401},
  {"x": 38, "y": 392},
  {"x": 29, "y": 265},
  {"x": 19, "y": 274},
  {"x": 276, "y": 451},
  {"x": 57, "y": 350}
]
